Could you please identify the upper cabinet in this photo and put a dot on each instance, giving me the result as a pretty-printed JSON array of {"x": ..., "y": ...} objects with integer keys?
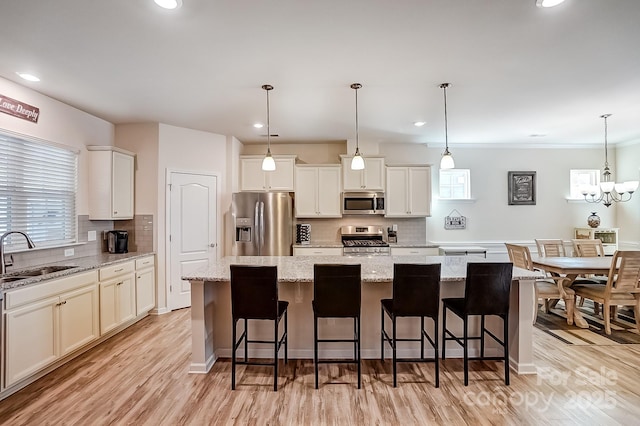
[
  {"x": 253, "y": 178},
  {"x": 369, "y": 179},
  {"x": 111, "y": 182},
  {"x": 408, "y": 191},
  {"x": 318, "y": 191}
]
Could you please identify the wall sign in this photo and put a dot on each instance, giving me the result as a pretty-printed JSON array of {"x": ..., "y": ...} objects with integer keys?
[
  {"x": 522, "y": 188},
  {"x": 19, "y": 109},
  {"x": 455, "y": 222}
]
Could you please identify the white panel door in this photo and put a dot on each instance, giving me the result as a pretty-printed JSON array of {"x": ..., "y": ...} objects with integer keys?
[{"x": 193, "y": 231}]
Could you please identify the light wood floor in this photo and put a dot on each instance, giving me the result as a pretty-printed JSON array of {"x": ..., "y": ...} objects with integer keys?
[{"x": 140, "y": 377}]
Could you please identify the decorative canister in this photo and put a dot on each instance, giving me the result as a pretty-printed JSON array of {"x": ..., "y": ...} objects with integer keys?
[{"x": 593, "y": 220}]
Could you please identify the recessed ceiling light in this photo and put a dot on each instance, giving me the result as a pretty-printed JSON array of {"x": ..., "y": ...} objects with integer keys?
[
  {"x": 419, "y": 123},
  {"x": 169, "y": 4},
  {"x": 548, "y": 3},
  {"x": 27, "y": 76},
  {"x": 258, "y": 125},
  {"x": 537, "y": 135}
]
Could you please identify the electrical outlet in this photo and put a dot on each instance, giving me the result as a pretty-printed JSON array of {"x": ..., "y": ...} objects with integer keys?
[
  {"x": 69, "y": 252},
  {"x": 394, "y": 227},
  {"x": 91, "y": 236}
]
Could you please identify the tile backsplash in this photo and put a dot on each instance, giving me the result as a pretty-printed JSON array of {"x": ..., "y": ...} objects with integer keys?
[
  {"x": 140, "y": 230},
  {"x": 410, "y": 230}
]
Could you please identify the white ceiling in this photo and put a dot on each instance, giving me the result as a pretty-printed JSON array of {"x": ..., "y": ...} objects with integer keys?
[{"x": 515, "y": 69}]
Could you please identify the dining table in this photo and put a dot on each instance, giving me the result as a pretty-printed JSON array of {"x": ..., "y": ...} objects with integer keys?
[{"x": 571, "y": 268}]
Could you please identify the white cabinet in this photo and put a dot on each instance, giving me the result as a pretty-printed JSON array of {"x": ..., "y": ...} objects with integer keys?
[
  {"x": 608, "y": 236},
  {"x": 145, "y": 285},
  {"x": 48, "y": 321},
  {"x": 317, "y": 191},
  {"x": 317, "y": 251},
  {"x": 253, "y": 178},
  {"x": 369, "y": 179},
  {"x": 408, "y": 191},
  {"x": 117, "y": 295},
  {"x": 111, "y": 183},
  {"x": 414, "y": 251}
]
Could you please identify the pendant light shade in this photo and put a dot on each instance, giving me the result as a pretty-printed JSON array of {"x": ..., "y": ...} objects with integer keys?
[
  {"x": 357, "y": 162},
  {"x": 447, "y": 159},
  {"x": 268, "y": 164}
]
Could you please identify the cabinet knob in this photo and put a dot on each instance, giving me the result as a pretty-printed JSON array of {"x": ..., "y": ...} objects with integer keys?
[{"x": 115, "y": 212}]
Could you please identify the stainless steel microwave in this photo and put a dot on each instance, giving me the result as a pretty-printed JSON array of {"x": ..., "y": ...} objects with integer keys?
[{"x": 363, "y": 203}]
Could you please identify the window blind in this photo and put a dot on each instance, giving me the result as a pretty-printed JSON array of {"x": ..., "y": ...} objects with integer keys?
[{"x": 38, "y": 185}]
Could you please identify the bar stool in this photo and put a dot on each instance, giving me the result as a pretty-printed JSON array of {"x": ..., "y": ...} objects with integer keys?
[
  {"x": 336, "y": 294},
  {"x": 486, "y": 292},
  {"x": 254, "y": 296},
  {"x": 416, "y": 293}
]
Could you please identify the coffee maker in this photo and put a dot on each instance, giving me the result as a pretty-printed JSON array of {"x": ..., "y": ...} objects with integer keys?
[{"x": 118, "y": 241}]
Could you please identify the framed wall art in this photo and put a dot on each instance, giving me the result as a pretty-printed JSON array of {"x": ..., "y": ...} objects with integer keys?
[{"x": 522, "y": 188}]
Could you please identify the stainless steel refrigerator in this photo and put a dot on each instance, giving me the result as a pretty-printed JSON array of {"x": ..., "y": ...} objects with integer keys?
[{"x": 263, "y": 223}]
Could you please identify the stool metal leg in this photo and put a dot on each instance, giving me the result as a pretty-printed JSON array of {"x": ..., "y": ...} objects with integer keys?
[
  {"x": 444, "y": 332},
  {"x": 505, "y": 319},
  {"x": 315, "y": 347},
  {"x": 359, "y": 356},
  {"x": 381, "y": 333},
  {"x": 275, "y": 355},
  {"x": 233, "y": 357},
  {"x": 466, "y": 351},
  {"x": 435, "y": 347},
  {"x": 246, "y": 340},
  {"x": 481, "y": 336},
  {"x": 422, "y": 338},
  {"x": 395, "y": 355}
]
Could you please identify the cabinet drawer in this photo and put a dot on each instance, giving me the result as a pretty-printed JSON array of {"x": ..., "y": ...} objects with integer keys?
[
  {"x": 413, "y": 251},
  {"x": 112, "y": 271},
  {"x": 317, "y": 251},
  {"x": 145, "y": 262},
  {"x": 22, "y": 296}
]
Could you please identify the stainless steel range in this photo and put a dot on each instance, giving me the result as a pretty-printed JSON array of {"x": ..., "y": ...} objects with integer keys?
[{"x": 364, "y": 241}]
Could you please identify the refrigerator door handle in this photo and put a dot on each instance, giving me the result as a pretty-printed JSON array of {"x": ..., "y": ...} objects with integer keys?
[{"x": 261, "y": 227}]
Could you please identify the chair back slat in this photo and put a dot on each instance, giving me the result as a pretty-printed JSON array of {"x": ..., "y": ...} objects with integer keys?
[
  {"x": 254, "y": 292},
  {"x": 337, "y": 290},
  {"x": 520, "y": 256},
  {"x": 588, "y": 248},
  {"x": 550, "y": 247},
  {"x": 627, "y": 279},
  {"x": 416, "y": 289},
  {"x": 487, "y": 288}
]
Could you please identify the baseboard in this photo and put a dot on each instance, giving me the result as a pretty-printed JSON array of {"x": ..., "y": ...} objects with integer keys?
[{"x": 159, "y": 311}]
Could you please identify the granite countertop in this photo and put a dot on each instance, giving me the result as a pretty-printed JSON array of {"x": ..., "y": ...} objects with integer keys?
[
  {"x": 79, "y": 264},
  {"x": 374, "y": 269},
  {"x": 326, "y": 244}
]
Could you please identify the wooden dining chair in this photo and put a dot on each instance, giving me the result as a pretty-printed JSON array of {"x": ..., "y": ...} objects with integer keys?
[
  {"x": 589, "y": 248},
  {"x": 622, "y": 288},
  {"x": 552, "y": 247},
  {"x": 550, "y": 288}
]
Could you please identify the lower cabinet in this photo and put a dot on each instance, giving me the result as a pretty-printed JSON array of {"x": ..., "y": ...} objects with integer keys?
[
  {"x": 46, "y": 322},
  {"x": 145, "y": 285},
  {"x": 117, "y": 296},
  {"x": 317, "y": 251}
]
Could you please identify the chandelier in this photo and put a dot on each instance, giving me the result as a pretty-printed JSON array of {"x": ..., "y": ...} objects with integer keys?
[
  {"x": 447, "y": 159},
  {"x": 610, "y": 191}
]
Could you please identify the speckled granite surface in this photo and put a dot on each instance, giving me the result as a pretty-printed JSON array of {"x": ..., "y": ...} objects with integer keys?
[
  {"x": 374, "y": 269},
  {"x": 79, "y": 264}
]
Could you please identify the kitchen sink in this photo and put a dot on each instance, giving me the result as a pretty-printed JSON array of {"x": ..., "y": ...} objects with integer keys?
[{"x": 44, "y": 270}]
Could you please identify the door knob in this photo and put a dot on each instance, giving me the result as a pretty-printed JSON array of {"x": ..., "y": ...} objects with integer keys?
[{"x": 212, "y": 245}]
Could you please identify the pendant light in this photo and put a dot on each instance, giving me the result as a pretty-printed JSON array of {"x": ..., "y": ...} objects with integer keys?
[
  {"x": 357, "y": 162},
  {"x": 268, "y": 165},
  {"x": 610, "y": 191},
  {"x": 447, "y": 159}
]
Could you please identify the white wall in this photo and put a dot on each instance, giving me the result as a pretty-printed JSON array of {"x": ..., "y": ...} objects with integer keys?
[
  {"x": 628, "y": 214},
  {"x": 62, "y": 124}
]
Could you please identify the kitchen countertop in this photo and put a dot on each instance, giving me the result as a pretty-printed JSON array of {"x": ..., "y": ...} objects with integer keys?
[
  {"x": 329, "y": 244},
  {"x": 374, "y": 269},
  {"x": 79, "y": 264}
]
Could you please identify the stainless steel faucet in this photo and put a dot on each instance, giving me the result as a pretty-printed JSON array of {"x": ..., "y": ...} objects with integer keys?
[{"x": 3, "y": 266}]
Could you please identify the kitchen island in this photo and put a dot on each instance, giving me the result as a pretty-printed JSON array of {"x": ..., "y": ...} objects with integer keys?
[{"x": 211, "y": 309}]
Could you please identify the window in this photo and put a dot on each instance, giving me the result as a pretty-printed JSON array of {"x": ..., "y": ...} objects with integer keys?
[
  {"x": 455, "y": 184},
  {"x": 583, "y": 180},
  {"x": 37, "y": 192}
]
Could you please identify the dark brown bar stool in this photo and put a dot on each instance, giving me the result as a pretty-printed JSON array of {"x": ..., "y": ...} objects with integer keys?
[
  {"x": 254, "y": 296},
  {"x": 486, "y": 292},
  {"x": 336, "y": 294},
  {"x": 416, "y": 293}
]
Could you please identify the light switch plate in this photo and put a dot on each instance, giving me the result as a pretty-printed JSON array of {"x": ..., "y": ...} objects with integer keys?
[
  {"x": 394, "y": 227},
  {"x": 91, "y": 236},
  {"x": 69, "y": 252}
]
